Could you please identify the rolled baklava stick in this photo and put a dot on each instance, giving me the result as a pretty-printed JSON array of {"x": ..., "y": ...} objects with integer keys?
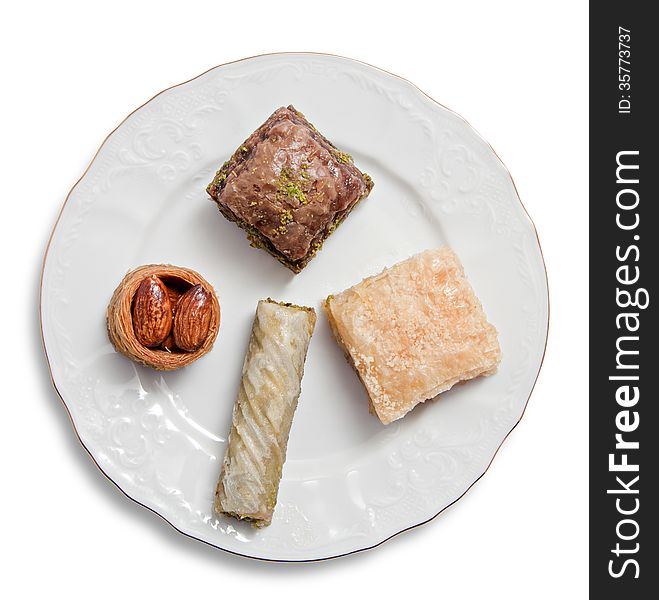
[{"x": 263, "y": 412}]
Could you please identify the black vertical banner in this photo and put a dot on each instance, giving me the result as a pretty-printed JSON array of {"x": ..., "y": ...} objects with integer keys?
[{"x": 624, "y": 340}]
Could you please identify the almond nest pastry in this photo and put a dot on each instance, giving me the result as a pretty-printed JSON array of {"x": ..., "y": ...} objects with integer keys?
[{"x": 164, "y": 317}]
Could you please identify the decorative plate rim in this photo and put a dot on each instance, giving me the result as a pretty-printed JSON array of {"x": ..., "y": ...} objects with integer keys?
[{"x": 91, "y": 162}]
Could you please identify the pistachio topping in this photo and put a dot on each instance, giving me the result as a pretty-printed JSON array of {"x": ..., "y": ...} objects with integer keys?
[
  {"x": 343, "y": 157},
  {"x": 220, "y": 175},
  {"x": 288, "y": 185},
  {"x": 285, "y": 217}
]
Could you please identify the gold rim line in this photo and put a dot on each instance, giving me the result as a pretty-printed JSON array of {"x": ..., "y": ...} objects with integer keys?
[{"x": 154, "y": 511}]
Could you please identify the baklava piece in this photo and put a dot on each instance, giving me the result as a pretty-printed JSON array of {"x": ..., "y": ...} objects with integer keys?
[
  {"x": 288, "y": 187},
  {"x": 164, "y": 317},
  {"x": 263, "y": 412},
  {"x": 413, "y": 331}
]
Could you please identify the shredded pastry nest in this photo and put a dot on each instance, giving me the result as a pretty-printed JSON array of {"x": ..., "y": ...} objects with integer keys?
[{"x": 120, "y": 319}]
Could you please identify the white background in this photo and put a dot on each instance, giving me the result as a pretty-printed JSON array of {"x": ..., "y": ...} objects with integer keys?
[{"x": 517, "y": 71}]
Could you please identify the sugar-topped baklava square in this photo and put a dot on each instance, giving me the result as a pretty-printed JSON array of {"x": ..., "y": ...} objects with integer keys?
[{"x": 413, "y": 331}]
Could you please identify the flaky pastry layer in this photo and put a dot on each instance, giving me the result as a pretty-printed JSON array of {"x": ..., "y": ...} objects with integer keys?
[{"x": 413, "y": 331}]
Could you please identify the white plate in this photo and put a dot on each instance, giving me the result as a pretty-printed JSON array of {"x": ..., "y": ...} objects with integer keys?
[{"x": 349, "y": 483}]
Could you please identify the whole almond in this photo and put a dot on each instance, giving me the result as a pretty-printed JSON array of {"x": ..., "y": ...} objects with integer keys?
[
  {"x": 152, "y": 312},
  {"x": 193, "y": 318}
]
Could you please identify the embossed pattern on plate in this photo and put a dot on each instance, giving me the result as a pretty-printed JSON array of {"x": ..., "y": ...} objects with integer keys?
[{"x": 349, "y": 483}]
